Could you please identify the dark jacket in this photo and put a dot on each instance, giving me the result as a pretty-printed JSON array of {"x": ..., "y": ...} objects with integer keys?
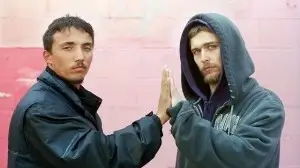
[
  {"x": 54, "y": 126},
  {"x": 245, "y": 128}
]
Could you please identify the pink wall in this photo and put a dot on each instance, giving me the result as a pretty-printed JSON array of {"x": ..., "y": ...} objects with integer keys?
[{"x": 134, "y": 40}]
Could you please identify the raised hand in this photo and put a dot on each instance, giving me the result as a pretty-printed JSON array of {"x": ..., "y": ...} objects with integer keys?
[
  {"x": 165, "y": 96},
  {"x": 175, "y": 95}
]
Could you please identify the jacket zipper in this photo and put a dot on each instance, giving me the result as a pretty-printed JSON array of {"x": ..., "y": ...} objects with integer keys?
[
  {"x": 218, "y": 110},
  {"x": 200, "y": 112}
]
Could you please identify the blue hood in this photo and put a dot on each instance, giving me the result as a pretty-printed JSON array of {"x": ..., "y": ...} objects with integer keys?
[{"x": 237, "y": 64}]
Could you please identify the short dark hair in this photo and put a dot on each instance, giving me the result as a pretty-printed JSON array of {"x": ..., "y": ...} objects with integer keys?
[{"x": 63, "y": 23}]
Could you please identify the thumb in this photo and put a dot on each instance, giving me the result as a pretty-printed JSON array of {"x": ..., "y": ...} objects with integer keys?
[
  {"x": 173, "y": 88},
  {"x": 176, "y": 97}
]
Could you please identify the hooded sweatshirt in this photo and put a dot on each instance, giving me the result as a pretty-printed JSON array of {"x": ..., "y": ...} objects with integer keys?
[{"x": 240, "y": 125}]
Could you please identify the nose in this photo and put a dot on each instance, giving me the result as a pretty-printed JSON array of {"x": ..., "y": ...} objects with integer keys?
[
  {"x": 79, "y": 55},
  {"x": 204, "y": 56}
]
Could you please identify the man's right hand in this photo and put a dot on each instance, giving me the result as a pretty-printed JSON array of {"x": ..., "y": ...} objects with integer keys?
[
  {"x": 165, "y": 97},
  {"x": 176, "y": 96}
]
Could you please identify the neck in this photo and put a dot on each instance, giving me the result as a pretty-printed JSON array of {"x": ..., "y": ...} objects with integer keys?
[
  {"x": 51, "y": 71},
  {"x": 77, "y": 86},
  {"x": 213, "y": 88}
]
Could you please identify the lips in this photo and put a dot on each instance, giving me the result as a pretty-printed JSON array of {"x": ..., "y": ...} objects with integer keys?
[
  {"x": 208, "y": 70},
  {"x": 79, "y": 67}
]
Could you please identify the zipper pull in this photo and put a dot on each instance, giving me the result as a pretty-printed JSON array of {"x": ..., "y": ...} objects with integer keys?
[{"x": 198, "y": 110}]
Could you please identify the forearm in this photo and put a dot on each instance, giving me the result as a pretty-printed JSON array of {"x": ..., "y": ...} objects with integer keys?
[
  {"x": 205, "y": 145},
  {"x": 140, "y": 142},
  {"x": 70, "y": 143}
]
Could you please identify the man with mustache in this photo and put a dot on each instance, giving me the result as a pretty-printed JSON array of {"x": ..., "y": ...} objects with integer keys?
[
  {"x": 56, "y": 123},
  {"x": 228, "y": 120}
]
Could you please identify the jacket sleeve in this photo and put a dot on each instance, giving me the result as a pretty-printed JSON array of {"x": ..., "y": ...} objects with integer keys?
[
  {"x": 254, "y": 140},
  {"x": 66, "y": 141}
]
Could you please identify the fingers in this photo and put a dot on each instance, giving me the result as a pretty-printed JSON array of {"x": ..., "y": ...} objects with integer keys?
[
  {"x": 165, "y": 84},
  {"x": 175, "y": 95},
  {"x": 165, "y": 72},
  {"x": 173, "y": 88},
  {"x": 171, "y": 81}
]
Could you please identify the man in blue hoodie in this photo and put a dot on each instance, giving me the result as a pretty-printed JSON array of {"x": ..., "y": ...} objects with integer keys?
[{"x": 228, "y": 120}]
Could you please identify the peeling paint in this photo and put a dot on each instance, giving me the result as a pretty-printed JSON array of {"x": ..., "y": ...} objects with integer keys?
[
  {"x": 4, "y": 95},
  {"x": 27, "y": 81},
  {"x": 27, "y": 72},
  {"x": 291, "y": 4}
]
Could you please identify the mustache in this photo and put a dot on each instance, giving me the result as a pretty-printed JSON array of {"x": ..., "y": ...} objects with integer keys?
[
  {"x": 79, "y": 65},
  {"x": 206, "y": 66}
]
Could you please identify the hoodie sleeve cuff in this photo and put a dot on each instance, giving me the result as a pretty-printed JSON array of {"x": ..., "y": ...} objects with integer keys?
[
  {"x": 180, "y": 109},
  {"x": 173, "y": 112}
]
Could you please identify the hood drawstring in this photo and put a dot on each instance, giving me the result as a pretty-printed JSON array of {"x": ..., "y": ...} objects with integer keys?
[
  {"x": 230, "y": 119},
  {"x": 198, "y": 107}
]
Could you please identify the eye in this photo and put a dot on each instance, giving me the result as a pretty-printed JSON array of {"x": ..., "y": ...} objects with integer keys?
[
  {"x": 67, "y": 48},
  {"x": 212, "y": 46},
  {"x": 196, "y": 52},
  {"x": 87, "y": 49}
]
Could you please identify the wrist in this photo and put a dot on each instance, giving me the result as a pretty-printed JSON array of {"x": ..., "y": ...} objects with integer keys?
[{"x": 162, "y": 117}]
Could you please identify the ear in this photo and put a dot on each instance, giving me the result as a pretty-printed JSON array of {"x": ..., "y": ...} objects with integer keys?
[{"x": 47, "y": 57}]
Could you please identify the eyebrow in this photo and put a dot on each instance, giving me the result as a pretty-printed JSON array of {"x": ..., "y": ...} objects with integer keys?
[
  {"x": 73, "y": 43},
  {"x": 67, "y": 43},
  {"x": 207, "y": 43}
]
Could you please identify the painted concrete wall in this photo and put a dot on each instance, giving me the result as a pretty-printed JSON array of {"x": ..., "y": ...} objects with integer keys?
[{"x": 135, "y": 38}]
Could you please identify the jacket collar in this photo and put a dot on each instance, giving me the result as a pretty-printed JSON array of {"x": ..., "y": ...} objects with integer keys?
[{"x": 50, "y": 78}]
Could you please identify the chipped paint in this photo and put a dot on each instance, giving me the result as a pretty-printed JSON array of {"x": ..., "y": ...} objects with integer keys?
[
  {"x": 291, "y": 4},
  {"x": 27, "y": 72},
  {"x": 27, "y": 76},
  {"x": 27, "y": 81},
  {"x": 4, "y": 95}
]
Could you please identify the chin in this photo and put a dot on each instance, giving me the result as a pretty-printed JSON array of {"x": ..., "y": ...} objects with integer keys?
[
  {"x": 212, "y": 78},
  {"x": 76, "y": 81}
]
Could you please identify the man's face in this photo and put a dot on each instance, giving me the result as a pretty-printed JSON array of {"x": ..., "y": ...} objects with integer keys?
[
  {"x": 206, "y": 51},
  {"x": 71, "y": 56}
]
